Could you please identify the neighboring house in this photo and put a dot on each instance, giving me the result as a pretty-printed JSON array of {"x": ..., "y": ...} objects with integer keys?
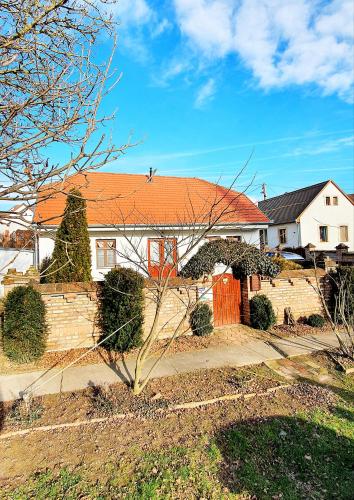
[
  {"x": 322, "y": 215},
  {"x": 156, "y": 214},
  {"x": 16, "y": 240}
]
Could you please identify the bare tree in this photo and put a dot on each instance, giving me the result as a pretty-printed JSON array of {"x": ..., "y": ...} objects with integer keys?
[
  {"x": 192, "y": 230},
  {"x": 341, "y": 314},
  {"x": 52, "y": 82}
]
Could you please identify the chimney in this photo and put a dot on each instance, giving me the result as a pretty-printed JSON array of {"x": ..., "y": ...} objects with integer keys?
[{"x": 150, "y": 175}]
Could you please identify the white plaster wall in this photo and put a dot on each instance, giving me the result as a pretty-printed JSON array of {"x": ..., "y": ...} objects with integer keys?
[
  {"x": 129, "y": 241},
  {"x": 318, "y": 214},
  {"x": 21, "y": 260},
  {"x": 292, "y": 236}
]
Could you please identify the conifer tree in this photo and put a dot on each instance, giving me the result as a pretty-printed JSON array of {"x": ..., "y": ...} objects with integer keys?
[{"x": 71, "y": 258}]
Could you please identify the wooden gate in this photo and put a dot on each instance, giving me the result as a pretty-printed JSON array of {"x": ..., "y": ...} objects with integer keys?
[{"x": 226, "y": 300}]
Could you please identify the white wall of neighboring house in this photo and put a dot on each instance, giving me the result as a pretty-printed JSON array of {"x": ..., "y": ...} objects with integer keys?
[
  {"x": 139, "y": 239},
  {"x": 333, "y": 216},
  {"x": 20, "y": 259},
  {"x": 292, "y": 235}
]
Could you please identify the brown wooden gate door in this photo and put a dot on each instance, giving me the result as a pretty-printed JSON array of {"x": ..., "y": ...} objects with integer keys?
[{"x": 226, "y": 300}]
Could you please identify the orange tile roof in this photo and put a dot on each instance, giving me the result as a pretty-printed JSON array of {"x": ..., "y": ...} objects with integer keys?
[{"x": 131, "y": 199}]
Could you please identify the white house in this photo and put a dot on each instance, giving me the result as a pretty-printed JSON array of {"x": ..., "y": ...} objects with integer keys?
[
  {"x": 16, "y": 243},
  {"x": 141, "y": 219},
  {"x": 322, "y": 215}
]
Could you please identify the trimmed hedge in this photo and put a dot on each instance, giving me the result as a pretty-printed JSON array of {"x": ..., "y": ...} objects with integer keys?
[
  {"x": 244, "y": 259},
  {"x": 121, "y": 299},
  {"x": 262, "y": 313},
  {"x": 200, "y": 320},
  {"x": 24, "y": 329},
  {"x": 316, "y": 320}
]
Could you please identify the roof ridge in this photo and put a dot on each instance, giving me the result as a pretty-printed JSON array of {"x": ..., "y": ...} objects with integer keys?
[{"x": 296, "y": 191}]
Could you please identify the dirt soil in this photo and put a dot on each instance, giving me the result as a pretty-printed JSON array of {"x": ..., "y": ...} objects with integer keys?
[{"x": 93, "y": 446}]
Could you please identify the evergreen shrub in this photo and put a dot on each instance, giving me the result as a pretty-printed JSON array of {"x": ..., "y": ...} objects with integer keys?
[
  {"x": 24, "y": 328},
  {"x": 316, "y": 320},
  {"x": 71, "y": 258},
  {"x": 262, "y": 313},
  {"x": 243, "y": 258},
  {"x": 121, "y": 299},
  {"x": 200, "y": 320}
]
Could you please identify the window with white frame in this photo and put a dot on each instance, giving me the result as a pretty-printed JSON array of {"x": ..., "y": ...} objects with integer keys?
[
  {"x": 328, "y": 200},
  {"x": 323, "y": 234},
  {"x": 335, "y": 200},
  {"x": 282, "y": 235},
  {"x": 343, "y": 234},
  {"x": 105, "y": 253}
]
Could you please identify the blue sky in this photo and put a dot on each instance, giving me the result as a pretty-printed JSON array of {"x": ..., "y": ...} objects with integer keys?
[{"x": 208, "y": 84}]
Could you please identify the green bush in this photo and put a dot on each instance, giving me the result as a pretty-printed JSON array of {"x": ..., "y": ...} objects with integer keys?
[
  {"x": 316, "y": 320},
  {"x": 244, "y": 259},
  {"x": 24, "y": 327},
  {"x": 71, "y": 259},
  {"x": 200, "y": 320},
  {"x": 121, "y": 300},
  {"x": 262, "y": 313}
]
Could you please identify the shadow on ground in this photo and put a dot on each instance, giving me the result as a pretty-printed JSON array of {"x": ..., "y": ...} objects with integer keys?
[{"x": 288, "y": 458}]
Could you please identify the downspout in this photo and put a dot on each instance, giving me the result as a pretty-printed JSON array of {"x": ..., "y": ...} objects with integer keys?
[{"x": 298, "y": 233}]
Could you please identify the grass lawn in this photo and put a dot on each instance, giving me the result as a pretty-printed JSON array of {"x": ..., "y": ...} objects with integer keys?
[
  {"x": 295, "y": 444},
  {"x": 305, "y": 456}
]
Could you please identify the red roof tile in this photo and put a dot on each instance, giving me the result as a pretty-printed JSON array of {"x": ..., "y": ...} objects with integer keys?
[{"x": 131, "y": 199}]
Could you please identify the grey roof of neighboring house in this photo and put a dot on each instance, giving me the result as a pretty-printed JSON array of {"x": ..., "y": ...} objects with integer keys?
[{"x": 288, "y": 206}]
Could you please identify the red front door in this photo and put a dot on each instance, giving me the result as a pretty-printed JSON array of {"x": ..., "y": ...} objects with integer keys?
[
  {"x": 226, "y": 299},
  {"x": 162, "y": 257}
]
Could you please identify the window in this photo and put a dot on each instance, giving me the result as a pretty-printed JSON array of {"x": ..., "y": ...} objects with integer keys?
[
  {"x": 106, "y": 253},
  {"x": 282, "y": 236},
  {"x": 335, "y": 200},
  {"x": 235, "y": 238},
  {"x": 323, "y": 233},
  {"x": 212, "y": 238},
  {"x": 328, "y": 200},
  {"x": 263, "y": 237},
  {"x": 343, "y": 234},
  {"x": 162, "y": 254}
]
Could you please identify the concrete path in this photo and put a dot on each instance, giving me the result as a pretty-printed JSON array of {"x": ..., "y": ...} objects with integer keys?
[{"x": 78, "y": 377}]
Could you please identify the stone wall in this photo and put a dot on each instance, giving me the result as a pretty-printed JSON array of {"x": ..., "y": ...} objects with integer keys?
[
  {"x": 71, "y": 308},
  {"x": 174, "y": 306},
  {"x": 294, "y": 289},
  {"x": 71, "y": 314}
]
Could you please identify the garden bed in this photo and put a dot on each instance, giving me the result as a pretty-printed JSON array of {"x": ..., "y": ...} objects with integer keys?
[{"x": 202, "y": 452}]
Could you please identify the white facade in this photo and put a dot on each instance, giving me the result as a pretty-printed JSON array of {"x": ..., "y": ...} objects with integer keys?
[
  {"x": 132, "y": 245},
  {"x": 291, "y": 235},
  {"x": 20, "y": 259},
  {"x": 331, "y": 210}
]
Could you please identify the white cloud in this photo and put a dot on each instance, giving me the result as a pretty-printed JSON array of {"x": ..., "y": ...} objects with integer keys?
[
  {"x": 283, "y": 42},
  {"x": 205, "y": 93},
  {"x": 161, "y": 27},
  {"x": 131, "y": 12}
]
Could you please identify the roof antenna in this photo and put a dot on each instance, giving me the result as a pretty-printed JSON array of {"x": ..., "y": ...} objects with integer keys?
[
  {"x": 151, "y": 174},
  {"x": 264, "y": 191}
]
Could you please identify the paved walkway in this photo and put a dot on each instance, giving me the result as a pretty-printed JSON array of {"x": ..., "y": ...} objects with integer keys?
[{"x": 78, "y": 377}]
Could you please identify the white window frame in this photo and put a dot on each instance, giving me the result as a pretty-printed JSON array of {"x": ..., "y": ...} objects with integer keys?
[
  {"x": 105, "y": 250},
  {"x": 285, "y": 235}
]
